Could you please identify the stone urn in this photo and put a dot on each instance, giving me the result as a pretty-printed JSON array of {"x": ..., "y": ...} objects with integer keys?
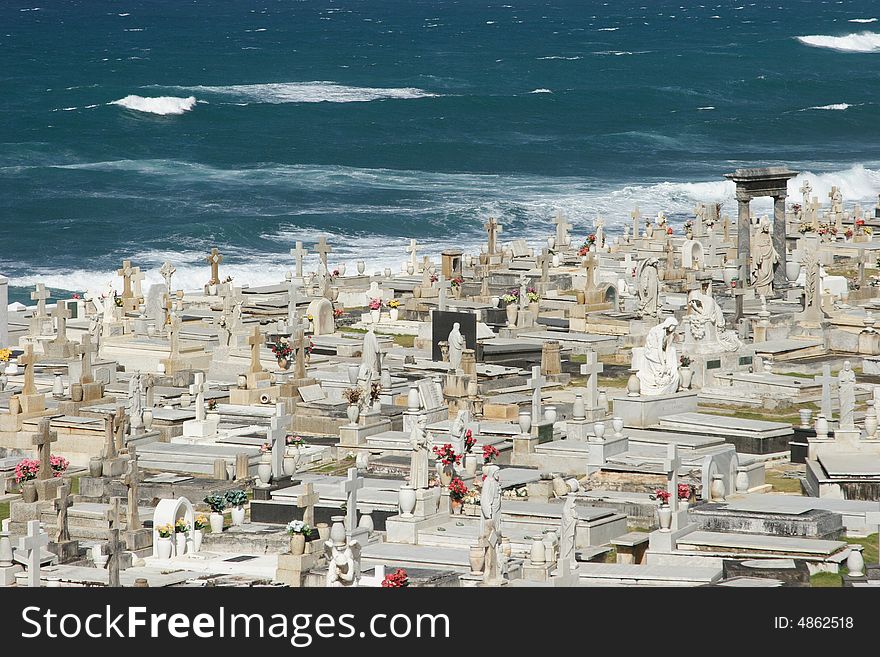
[
  {"x": 375, "y": 315},
  {"x": 196, "y": 545},
  {"x": 806, "y": 417},
  {"x": 617, "y": 425},
  {"x": 664, "y": 517},
  {"x": 470, "y": 464},
  {"x": 394, "y": 314},
  {"x": 264, "y": 468},
  {"x": 353, "y": 412},
  {"x": 406, "y": 501},
  {"x": 410, "y": 269},
  {"x": 96, "y": 466},
  {"x": 742, "y": 482},
  {"x": 323, "y": 531},
  {"x": 291, "y": 460},
  {"x": 446, "y": 473},
  {"x": 550, "y": 414},
  {"x": 792, "y": 270},
  {"x": 147, "y": 417},
  {"x": 729, "y": 273},
  {"x": 525, "y": 421},
  {"x": 717, "y": 490},
  {"x": 633, "y": 385},
  {"x": 855, "y": 562},
  {"x": 599, "y": 430},
  {"x": 352, "y": 374},
  {"x": 337, "y": 529},
  {"x": 361, "y": 267},
  {"x": 413, "y": 401},
  {"x": 76, "y": 392},
  {"x": 537, "y": 554},
  {"x": 477, "y": 558},
  {"x": 687, "y": 376},
  {"x": 512, "y": 313},
  {"x": 821, "y": 427},
  {"x": 578, "y": 410},
  {"x": 297, "y": 544},
  {"x": 366, "y": 521},
  {"x": 57, "y": 386},
  {"x": 387, "y": 272},
  {"x": 551, "y": 242}
]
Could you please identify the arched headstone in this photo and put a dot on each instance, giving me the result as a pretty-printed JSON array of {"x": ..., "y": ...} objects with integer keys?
[
  {"x": 692, "y": 255},
  {"x": 168, "y": 512},
  {"x": 321, "y": 311}
]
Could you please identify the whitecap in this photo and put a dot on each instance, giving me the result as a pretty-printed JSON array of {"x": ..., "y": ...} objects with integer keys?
[
  {"x": 856, "y": 42},
  {"x": 607, "y": 29},
  {"x": 833, "y": 106},
  {"x": 162, "y": 105},
  {"x": 308, "y": 92},
  {"x": 540, "y": 91},
  {"x": 862, "y": 20},
  {"x": 706, "y": 108}
]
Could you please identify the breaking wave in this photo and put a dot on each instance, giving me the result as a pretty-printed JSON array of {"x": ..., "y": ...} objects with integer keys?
[
  {"x": 856, "y": 42},
  {"x": 307, "y": 92},
  {"x": 161, "y": 105}
]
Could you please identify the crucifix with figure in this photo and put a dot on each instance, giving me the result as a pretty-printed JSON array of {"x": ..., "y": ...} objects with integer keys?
[
  {"x": 62, "y": 503},
  {"x": 28, "y": 360},
  {"x": 131, "y": 479}
]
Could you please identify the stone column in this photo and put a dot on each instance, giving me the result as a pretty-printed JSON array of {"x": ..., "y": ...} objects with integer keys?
[
  {"x": 4, "y": 312},
  {"x": 779, "y": 280},
  {"x": 743, "y": 247}
]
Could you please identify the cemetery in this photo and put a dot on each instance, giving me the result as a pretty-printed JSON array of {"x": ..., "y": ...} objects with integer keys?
[{"x": 686, "y": 401}]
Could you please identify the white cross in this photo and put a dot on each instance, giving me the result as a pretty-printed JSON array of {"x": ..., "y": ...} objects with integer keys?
[
  {"x": 591, "y": 369},
  {"x": 40, "y": 294},
  {"x": 562, "y": 227},
  {"x": 322, "y": 249},
  {"x": 443, "y": 286},
  {"x": 198, "y": 389},
  {"x": 136, "y": 277},
  {"x": 535, "y": 384},
  {"x": 167, "y": 271},
  {"x": 413, "y": 258},
  {"x": 33, "y": 543},
  {"x": 671, "y": 465},
  {"x": 307, "y": 500},
  {"x": 350, "y": 488},
  {"x": 279, "y": 427},
  {"x": 299, "y": 253}
]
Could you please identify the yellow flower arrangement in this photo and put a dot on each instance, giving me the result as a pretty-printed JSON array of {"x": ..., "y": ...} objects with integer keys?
[{"x": 5, "y": 355}]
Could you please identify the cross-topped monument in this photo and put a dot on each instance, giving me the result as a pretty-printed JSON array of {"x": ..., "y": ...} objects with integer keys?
[
  {"x": 591, "y": 369},
  {"x": 826, "y": 380},
  {"x": 322, "y": 249},
  {"x": 671, "y": 464},
  {"x": 562, "y": 227},
  {"x": 125, "y": 272},
  {"x": 60, "y": 314},
  {"x": 255, "y": 340},
  {"x": 198, "y": 389},
  {"x": 61, "y": 504},
  {"x": 131, "y": 479},
  {"x": 535, "y": 384},
  {"x": 412, "y": 249},
  {"x": 443, "y": 286},
  {"x": 493, "y": 228},
  {"x": 167, "y": 270},
  {"x": 350, "y": 487},
  {"x": 214, "y": 259},
  {"x": 33, "y": 544},
  {"x": 114, "y": 547},
  {"x": 43, "y": 440},
  {"x": 28, "y": 360},
  {"x": 307, "y": 501},
  {"x": 299, "y": 253},
  {"x": 40, "y": 295},
  {"x": 279, "y": 427}
]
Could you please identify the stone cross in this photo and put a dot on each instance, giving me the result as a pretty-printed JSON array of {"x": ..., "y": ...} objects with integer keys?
[
  {"x": 137, "y": 276},
  {"x": 535, "y": 384},
  {"x": 544, "y": 262},
  {"x": 62, "y": 503},
  {"x": 40, "y": 294},
  {"x": 126, "y": 271},
  {"x": 591, "y": 263},
  {"x": 350, "y": 488},
  {"x": 61, "y": 314},
  {"x": 826, "y": 380},
  {"x": 214, "y": 259},
  {"x": 299, "y": 253},
  {"x": 562, "y": 227},
  {"x": 636, "y": 217},
  {"x": 109, "y": 441},
  {"x": 591, "y": 369},
  {"x": 279, "y": 427},
  {"x": 114, "y": 547},
  {"x": 131, "y": 479},
  {"x": 322, "y": 249},
  {"x": 443, "y": 287},
  {"x": 119, "y": 422},
  {"x": 412, "y": 249},
  {"x": 28, "y": 360},
  {"x": 671, "y": 465},
  {"x": 86, "y": 349},
  {"x": 174, "y": 335},
  {"x": 43, "y": 440},
  {"x": 493, "y": 228},
  {"x": 307, "y": 500},
  {"x": 33, "y": 543},
  {"x": 255, "y": 341},
  {"x": 167, "y": 270},
  {"x": 198, "y": 390}
]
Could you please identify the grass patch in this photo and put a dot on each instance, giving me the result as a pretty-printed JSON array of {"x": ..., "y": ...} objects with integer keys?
[
  {"x": 870, "y": 553},
  {"x": 781, "y": 483},
  {"x": 612, "y": 382},
  {"x": 404, "y": 340},
  {"x": 349, "y": 329},
  {"x": 74, "y": 484},
  {"x": 4, "y": 511},
  {"x": 753, "y": 414},
  {"x": 833, "y": 580},
  {"x": 826, "y": 580}
]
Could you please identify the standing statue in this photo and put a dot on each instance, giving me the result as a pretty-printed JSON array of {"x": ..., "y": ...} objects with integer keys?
[
  {"x": 846, "y": 390},
  {"x": 490, "y": 522},
  {"x": 136, "y": 411},
  {"x": 658, "y": 373},
  {"x": 568, "y": 532},
  {"x": 764, "y": 259},
  {"x": 648, "y": 287},
  {"x": 418, "y": 463},
  {"x": 458, "y": 430},
  {"x": 370, "y": 369},
  {"x": 456, "y": 346}
]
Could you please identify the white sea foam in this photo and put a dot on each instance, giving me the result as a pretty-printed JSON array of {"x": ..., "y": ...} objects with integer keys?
[
  {"x": 706, "y": 108},
  {"x": 856, "y": 42},
  {"x": 569, "y": 59},
  {"x": 607, "y": 29},
  {"x": 162, "y": 105},
  {"x": 862, "y": 20},
  {"x": 834, "y": 106},
  {"x": 307, "y": 92},
  {"x": 540, "y": 91}
]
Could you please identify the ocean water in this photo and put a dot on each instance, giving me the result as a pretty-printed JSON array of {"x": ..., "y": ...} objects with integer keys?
[{"x": 154, "y": 131}]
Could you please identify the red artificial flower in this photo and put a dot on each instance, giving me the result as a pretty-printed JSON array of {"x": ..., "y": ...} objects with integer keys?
[
  {"x": 490, "y": 453},
  {"x": 457, "y": 489},
  {"x": 447, "y": 455},
  {"x": 662, "y": 495},
  {"x": 469, "y": 441},
  {"x": 396, "y": 580}
]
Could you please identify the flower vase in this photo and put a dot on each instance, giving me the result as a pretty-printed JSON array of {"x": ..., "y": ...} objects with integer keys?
[
  {"x": 855, "y": 562},
  {"x": 196, "y": 540},
  {"x": 163, "y": 548},
  {"x": 29, "y": 492},
  {"x": 337, "y": 530},
  {"x": 456, "y": 506},
  {"x": 599, "y": 430},
  {"x": 180, "y": 543},
  {"x": 579, "y": 411},
  {"x": 264, "y": 468},
  {"x": 664, "y": 514},
  {"x": 291, "y": 460},
  {"x": 96, "y": 466},
  {"x": 366, "y": 521},
  {"x": 687, "y": 375},
  {"x": 238, "y": 515},
  {"x": 406, "y": 501},
  {"x": 512, "y": 312},
  {"x": 284, "y": 363},
  {"x": 550, "y": 414},
  {"x": 361, "y": 267},
  {"x": 297, "y": 544},
  {"x": 525, "y": 421},
  {"x": 216, "y": 520},
  {"x": 537, "y": 554},
  {"x": 477, "y": 557},
  {"x": 323, "y": 531},
  {"x": 633, "y": 385},
  {"x": 393, "y": 314},
  {"x": 716, "y": 490},
  {"x": 374, "y": 316},
  {"x": 806, "y": 415},
  {"x": 446, "y": 473}
]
